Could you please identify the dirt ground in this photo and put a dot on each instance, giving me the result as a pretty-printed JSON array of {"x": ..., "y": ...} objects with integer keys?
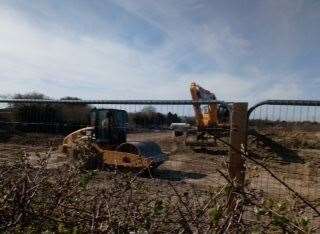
[
  {"x": 294, "y": 156},
  {"x": 183, "y": 164},
  {"x": 296, "y": 160}
]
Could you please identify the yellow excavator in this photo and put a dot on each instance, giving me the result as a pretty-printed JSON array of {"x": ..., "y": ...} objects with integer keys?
[
  {"x": 211, "y": 119},
  {"x": 107, "y": 137}
]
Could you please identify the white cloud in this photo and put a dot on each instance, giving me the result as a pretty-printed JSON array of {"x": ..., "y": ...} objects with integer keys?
[
  {"x": 35, "y": 59},
  {"x": 282, "y": 91},
  {"x": 32, "y": 59},
  {"x": 222, "y": 46}
]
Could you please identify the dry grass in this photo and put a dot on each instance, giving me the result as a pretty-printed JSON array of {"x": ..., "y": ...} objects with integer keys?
[
  {"x": 35, "y": 198},
  {"x": 44, "y": 194}
]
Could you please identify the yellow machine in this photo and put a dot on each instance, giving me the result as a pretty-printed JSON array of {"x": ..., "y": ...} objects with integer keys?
[
  {"x": 211, "y": 119},
  {"x": 107, "y": 137}
]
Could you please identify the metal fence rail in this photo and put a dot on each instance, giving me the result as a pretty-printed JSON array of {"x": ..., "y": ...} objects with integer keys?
[
  {"x": 113, "y": 102},
  {"x": 286, "y": 110},
  {"x": 284, "y": 103}
]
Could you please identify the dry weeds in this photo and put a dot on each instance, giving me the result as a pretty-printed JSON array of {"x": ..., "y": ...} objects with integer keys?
[{"x": 34, "y": 198}]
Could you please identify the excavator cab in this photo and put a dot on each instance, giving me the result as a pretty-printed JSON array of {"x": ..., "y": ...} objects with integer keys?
[{"x": 110, "y": 126}]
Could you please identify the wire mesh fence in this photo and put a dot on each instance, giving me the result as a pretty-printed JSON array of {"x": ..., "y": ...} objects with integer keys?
[
  {"x": 40, "y": 121},
  {"x": 285, "y": 136},
  {"x": 282, "y": 136}
]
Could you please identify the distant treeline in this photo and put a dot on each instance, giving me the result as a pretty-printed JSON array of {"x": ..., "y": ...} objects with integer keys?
[
  {"x": 149, "y": 117},
  {"x": 64, "y": 118},
  {"x": 42, "y": 117}
]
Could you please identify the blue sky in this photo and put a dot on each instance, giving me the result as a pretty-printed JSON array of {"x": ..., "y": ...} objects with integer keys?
[{"x": 117, "y": 49}]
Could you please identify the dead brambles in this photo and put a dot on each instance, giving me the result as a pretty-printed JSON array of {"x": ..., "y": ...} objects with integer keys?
[{"x": 71, "y": 198}]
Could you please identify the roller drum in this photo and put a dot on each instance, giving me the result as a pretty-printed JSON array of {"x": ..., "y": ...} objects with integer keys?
[{"x": 146, "y": 149}]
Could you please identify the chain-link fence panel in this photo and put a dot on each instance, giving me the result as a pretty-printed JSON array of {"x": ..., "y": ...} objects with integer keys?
[{"x": 284, "y": 136}]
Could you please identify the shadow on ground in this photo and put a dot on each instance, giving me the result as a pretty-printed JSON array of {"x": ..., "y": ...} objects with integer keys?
[
  {"x": 286, "y": 155},
  {"x": 218, "y": 152},
  {"x": 174, "y": 175}
]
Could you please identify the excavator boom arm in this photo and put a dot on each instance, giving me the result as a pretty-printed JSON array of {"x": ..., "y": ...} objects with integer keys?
[{"x": 200, "y": 94}]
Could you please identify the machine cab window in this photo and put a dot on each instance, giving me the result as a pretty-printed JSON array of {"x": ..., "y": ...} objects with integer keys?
[{"x": 110, "y": 125}]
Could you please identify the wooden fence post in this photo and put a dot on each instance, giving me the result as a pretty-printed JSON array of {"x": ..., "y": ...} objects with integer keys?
[{"x": 238, "y": 142}]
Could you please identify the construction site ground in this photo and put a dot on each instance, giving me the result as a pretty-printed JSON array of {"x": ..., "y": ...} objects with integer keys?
[{"x": 298, "y": 163}]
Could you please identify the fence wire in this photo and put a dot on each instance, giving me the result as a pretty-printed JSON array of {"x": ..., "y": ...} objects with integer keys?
[
  {"x": 285, "y": 136},
  {"x": 29, "y": 121}
]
